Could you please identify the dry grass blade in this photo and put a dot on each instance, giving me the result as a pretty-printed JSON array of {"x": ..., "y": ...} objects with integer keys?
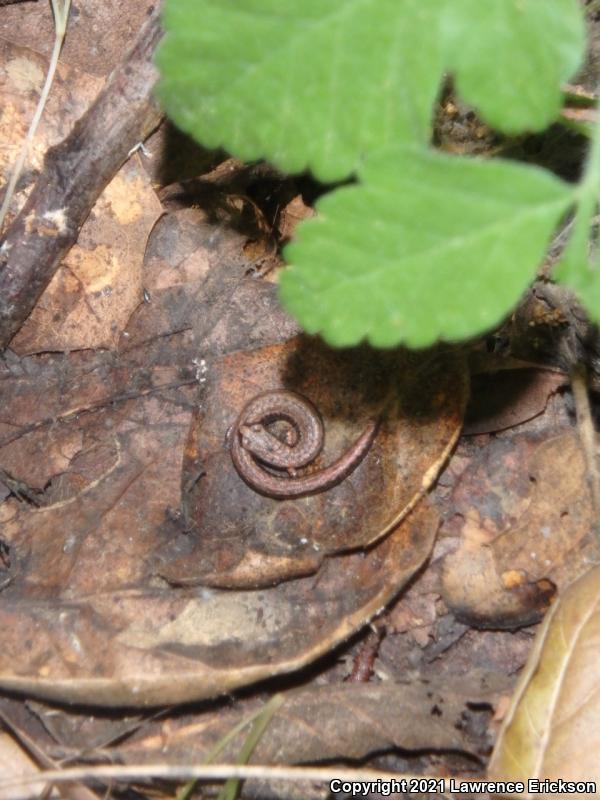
[{"x": 61, "y": 10}]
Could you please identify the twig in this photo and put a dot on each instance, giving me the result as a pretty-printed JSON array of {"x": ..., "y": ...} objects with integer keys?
[
  {"x": 364, "y": 661},
  {"x": 210, "y": 772},
  {"x": 75, "y": 173}
]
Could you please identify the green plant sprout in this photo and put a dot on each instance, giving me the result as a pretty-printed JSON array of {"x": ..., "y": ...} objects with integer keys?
[
  {"x": 423, "y": 246},
  {"x": 60, "y": 10},
  {"x": 259, "y": 720}
]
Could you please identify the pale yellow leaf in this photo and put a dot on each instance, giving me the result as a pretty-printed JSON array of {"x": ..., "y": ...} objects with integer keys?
[{"x": 552, "y": 730}]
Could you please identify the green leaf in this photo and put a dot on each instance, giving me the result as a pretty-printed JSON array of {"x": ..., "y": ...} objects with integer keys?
[
  {"x": 510, "y": 56},
  {"x": 312, "y": 84},
  {"x": 429, "y": 246},
  {"x": 426, "y": 246},
  {"x": 578, "y": 266},
  {"x": 322, "y": 84}
]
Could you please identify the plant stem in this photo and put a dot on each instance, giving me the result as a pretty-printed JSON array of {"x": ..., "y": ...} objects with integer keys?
[
  {"x": 575, "y": 265},
  {"x": 589, "y": 186},
  {"x": 61, "y": 14},
  {"x": 233, "y": 785},
  {"x": 259, "y": 719},
  {"x": 587, "y": 433}
]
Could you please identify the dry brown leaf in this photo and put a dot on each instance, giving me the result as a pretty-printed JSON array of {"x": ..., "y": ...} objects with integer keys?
[
  {"x": 239, "y": 538},
  {"x": 319, "y": 724},
  {"x": 96, "y": 438},
  {"x": 290, "y": 216},
  {"x": 155, "y": 646},
  {"x": 95, "y": 441},
  {"x": 83, "y": 617},
  {"x": 507, "y": 398},
  {"x": 552, "y": 730},
  {"x": 525, "y": 520},
  {"x": 97, "y": 36}
]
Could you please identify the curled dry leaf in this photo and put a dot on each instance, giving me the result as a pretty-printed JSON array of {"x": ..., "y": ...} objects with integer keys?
[
  {"x": 552, "y": 729},
  {"x": 501, "y": 400},
  {"x": 154, "y": 646},
  {"x": 241, "y": 538},
  {"x": 84, "y": 618},
  {"x": 525, "y": 519}
]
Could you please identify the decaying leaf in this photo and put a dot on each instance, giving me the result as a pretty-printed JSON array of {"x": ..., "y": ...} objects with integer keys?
[
  {"x": 526, "y": 528},
  {"x": 97, "y": 441},
  {"x": 94, "y": 440},
  {"x": 145, "y": 646},
  {"x": 92, "y": 444},
  {"x": 85, "y": 616},
  {"x": 319, "y": 724},
  {"x": 98, "y": 35},
  {"x": 552, "y": 730},
  {"x": 501, "y": 400},
  {"x": 240, "y": 538}
]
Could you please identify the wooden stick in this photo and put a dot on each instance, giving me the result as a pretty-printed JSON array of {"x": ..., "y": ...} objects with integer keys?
[{"x": 75, "y": 173}]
